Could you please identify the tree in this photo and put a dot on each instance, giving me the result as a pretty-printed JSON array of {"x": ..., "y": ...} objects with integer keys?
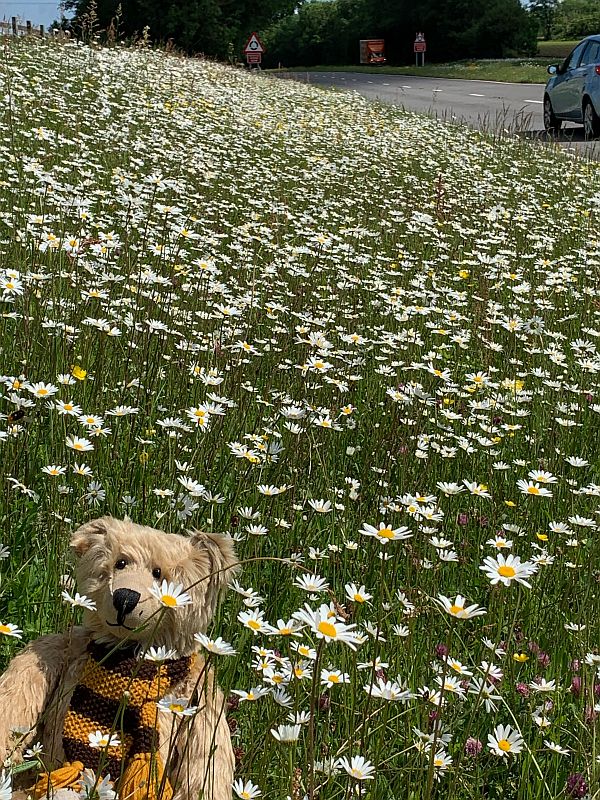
[
  {"x": 577, "y": 18},
  {"x": 544, "y": 12},
  {"x": 207, "y": 26},
  {"x": 329, "y": 32}
]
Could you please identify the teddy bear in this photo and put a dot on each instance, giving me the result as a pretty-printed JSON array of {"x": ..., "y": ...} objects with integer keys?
[{"x": 127, "y": 694}]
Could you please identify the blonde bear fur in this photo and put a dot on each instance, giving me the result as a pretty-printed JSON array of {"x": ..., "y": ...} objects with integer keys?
[{"x": 36, "y": 688}]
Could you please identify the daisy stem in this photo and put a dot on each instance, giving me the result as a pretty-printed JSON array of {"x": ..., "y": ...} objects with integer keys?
[{"x": 311, "y": 725}]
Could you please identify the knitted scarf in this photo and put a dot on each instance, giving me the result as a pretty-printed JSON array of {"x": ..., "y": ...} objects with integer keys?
[{"x": 117, "y": 695}]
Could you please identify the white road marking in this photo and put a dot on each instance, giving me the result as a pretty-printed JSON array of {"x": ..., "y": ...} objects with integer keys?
[
  {"x": 406, "y": 87},
  {"x": 385, "y": 84},
  {"x": 437, "y": 90},
  {"x": 472, "y": 94},
  {"x": 533, "y": 101}
]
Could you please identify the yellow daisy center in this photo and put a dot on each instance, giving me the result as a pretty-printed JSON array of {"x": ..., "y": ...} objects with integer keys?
[
  {"x": 454, "y": 609},
  {"x": 252, "y": 623},
  {"x": 42, "y": 391},
  {"x": 4, "y": 629},
  {"x": 327, "y": 629},
  {"x": 507, "y": 572},
  {"x": 285, "y": 631},
  {"x": 533, "y": 490},
  {"x": 333, "y": 678},
  {"x": 176, "y": 707},
  {"x": 169, "y": 600},
  {"x": 504, "y": 745},
  {"x": 385, "y": 533},
  {"x": 358, "y": 598}
]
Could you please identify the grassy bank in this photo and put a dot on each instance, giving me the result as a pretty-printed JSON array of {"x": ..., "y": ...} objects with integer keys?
[
  {"x": 556, "y": 49},
  {"x": 365, "y": 347},
  {"x": 510, "y": 71}
]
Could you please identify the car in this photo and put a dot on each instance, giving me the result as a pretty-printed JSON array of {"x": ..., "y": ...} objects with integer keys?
[{"x": 572, "y": 93}]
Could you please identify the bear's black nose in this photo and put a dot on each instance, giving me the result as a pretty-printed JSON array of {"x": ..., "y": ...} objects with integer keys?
[{"x": 125, "y": 600}]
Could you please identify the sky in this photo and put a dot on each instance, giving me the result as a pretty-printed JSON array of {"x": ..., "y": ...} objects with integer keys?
[{"x": 40, "y": 13}]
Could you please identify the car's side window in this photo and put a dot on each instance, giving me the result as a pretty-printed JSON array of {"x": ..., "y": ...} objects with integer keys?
[
  {"x": 572, "y": 61},
  {"x": 591, "y": 55}
]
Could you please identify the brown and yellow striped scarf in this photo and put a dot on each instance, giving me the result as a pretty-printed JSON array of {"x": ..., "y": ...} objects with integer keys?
[{"x": 117, "y": 695}]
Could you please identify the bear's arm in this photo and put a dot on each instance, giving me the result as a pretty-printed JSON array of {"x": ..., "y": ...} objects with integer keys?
[
  {"x": 206, "y": 763},
  {"x": 27, "y": 686}
]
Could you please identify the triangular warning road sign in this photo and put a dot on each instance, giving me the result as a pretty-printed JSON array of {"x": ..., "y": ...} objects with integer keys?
[{"x": 254, "y": 45}]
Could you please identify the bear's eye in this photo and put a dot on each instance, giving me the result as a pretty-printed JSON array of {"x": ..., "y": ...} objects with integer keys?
[
  {"x": 156, "y": 573},
  {"x": 121, "y": 564}
]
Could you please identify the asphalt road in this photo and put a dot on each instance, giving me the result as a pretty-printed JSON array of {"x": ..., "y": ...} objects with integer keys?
[{"x": 515, "y": 107}]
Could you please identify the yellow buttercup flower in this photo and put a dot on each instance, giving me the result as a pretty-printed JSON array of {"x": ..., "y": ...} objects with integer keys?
[{"x": 520, "y": 657}]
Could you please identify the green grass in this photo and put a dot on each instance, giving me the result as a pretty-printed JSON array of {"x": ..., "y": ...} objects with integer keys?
[
  {"x": 556, "y": 49},
  {"x": 388, "y": 323},
  {"x": 531, "y": 70}
]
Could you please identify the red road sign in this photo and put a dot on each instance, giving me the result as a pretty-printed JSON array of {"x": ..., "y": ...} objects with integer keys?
[
  {"x": 254, "y": 45},
  {"x": 253, "y": 58},
  {"x": 420, "y": 47}
]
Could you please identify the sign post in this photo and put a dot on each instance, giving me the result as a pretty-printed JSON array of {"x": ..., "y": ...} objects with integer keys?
[
  {"x": 420, "y": 46},
  {"x": 253, "y": 50}
]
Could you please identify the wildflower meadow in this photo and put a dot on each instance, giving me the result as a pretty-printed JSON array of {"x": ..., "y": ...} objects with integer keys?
[{"x": 364, "y": 343}]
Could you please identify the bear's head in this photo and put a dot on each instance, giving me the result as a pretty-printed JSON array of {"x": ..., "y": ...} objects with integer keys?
[{"x": 118, "y": 562}]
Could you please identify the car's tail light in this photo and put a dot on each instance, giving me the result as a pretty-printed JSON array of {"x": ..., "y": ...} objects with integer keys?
[{"x": 597, "y": 69}]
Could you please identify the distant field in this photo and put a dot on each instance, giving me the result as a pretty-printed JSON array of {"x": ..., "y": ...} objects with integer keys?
[
  {"x": 532, "y": 70},
  {"x": 510, "y": 70},
  {"x": 558, "y": 49}
]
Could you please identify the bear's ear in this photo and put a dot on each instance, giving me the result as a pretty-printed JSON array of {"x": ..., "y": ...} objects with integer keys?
[
  {"x": 224, "y": 564},
  {"x": 89, "y": 534}
]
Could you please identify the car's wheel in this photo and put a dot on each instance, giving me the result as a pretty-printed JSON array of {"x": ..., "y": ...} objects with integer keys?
[
  {"x": 591, "y": 121},
  {"x": 552, "y": 124}
]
